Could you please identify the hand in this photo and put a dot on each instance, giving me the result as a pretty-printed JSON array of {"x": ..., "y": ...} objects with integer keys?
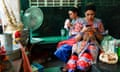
[
  {"x": 67, "y": 23},
  {"x": 92, "y": 29},
  {"x": 84, "y": 29}
]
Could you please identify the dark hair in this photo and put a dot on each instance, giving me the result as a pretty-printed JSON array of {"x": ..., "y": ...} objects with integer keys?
[
  {"x": 90, "y": 6},
  {"x": 75, "y": 10}
]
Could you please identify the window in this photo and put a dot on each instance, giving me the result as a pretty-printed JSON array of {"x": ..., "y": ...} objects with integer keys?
[{"x": 54, "y": 3}]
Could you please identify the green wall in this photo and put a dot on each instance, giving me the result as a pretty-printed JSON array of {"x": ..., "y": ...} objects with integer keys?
[
  {"x": 24, "y": 4},
  {"x": 54, "y": 18}
]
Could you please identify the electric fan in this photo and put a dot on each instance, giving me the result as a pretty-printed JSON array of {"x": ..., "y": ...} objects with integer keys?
[{"x": 32, "y": 19}]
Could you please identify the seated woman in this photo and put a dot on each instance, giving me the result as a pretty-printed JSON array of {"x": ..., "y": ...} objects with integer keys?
[
  {"x": 73, "y": 24},
  {"x": 89, "y": 22},
  {"x": 84, "y": 53}
]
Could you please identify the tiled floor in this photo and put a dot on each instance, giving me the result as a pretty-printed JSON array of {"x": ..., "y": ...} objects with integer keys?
[{"x": 53, "y": 65}]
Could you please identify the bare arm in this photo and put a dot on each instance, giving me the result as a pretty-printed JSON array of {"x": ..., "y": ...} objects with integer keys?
[
  {"x": 80, "y": 35},
  {"x": 67, "y": 24},
  {"x": 99, "y": 32}
]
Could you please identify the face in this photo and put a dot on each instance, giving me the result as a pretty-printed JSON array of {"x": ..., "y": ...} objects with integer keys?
[
  {"x": 90, "y": 14},
  {"x": 72, "y": 14}
]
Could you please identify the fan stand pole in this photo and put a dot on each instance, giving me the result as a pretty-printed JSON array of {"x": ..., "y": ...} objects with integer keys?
[{"x": 30, "y": 30}]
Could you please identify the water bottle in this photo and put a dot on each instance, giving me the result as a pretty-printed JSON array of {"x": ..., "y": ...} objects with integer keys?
[
  {"x": 62, "y": 32},
  {"x": 115, "y": 46}
]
